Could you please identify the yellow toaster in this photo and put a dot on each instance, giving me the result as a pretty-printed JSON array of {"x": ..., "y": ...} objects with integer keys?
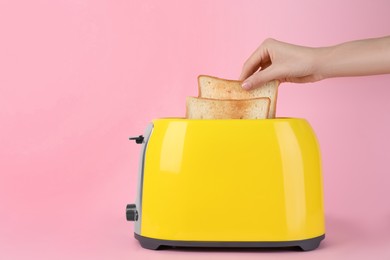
[{"x": 229, "y": 183}]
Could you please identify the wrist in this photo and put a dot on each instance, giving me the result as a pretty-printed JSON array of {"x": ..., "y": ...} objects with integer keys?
[{"x": 322, "y": 63}]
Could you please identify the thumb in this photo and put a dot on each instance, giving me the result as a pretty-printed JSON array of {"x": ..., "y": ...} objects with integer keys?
[{"x": 259, "y": 78}]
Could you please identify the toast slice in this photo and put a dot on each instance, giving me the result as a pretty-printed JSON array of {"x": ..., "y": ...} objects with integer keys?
[
  {"x": 204, "y": 108},
  {"x": 217, "y": 88}
]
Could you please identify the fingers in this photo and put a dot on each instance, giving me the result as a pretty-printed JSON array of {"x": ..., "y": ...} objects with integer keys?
[
  {"x": 250, "y": 66},
  {"x": 260, "y": 78},
  {"x": 281, "y": 61},
  {"x": 254, "y": 62}
]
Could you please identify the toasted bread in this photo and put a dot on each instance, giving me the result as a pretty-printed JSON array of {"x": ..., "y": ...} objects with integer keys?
[
  {"x": 217, "y": 88},
  {"x": 203, "y": 108}
]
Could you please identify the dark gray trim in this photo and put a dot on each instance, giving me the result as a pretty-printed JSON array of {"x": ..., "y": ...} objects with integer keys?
[{"x": 305, "y": 244}]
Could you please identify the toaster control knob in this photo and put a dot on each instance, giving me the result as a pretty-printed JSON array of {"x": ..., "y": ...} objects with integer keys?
[
  {"x": 131, "y": 212},
  {"x": 138, "y": 139}
]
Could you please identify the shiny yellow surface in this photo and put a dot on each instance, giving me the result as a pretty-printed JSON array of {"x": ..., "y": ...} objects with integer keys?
[{"x": 232, "y": 180}]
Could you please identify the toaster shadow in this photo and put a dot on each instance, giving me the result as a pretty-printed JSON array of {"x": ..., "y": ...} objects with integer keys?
[{"x": 341, "y": 232}]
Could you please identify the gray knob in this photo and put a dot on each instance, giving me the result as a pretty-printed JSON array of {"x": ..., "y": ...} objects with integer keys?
[{"x": 131, "y": 212}]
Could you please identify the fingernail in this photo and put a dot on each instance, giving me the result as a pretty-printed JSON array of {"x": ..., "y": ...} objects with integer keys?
[{"x": 246, "y": 85}]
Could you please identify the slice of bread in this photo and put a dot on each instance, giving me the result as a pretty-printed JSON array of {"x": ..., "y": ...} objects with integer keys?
[
  {"x": 204, "y": 108},
  {"x": 216, "y": 88}
]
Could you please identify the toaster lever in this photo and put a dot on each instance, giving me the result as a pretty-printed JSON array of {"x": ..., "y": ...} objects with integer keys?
[{"x": 138, "y": 139}]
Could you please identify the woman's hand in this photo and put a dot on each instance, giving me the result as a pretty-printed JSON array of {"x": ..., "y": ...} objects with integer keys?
[
  {"x": 292, "y": 63},
  {"x": 282, "y": 61}
]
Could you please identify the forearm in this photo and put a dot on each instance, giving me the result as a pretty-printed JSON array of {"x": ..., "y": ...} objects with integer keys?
[{"x": 356, "y": 58}]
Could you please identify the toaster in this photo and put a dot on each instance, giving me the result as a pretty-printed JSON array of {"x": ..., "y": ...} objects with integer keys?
[{"x": 228, "y": 183}]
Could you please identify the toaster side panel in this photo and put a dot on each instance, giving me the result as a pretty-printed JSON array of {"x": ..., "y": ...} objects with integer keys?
[{"x": 141, "y": 165}]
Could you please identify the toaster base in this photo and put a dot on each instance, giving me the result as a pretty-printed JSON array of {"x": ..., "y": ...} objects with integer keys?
[{"x": 154, "y": 244}]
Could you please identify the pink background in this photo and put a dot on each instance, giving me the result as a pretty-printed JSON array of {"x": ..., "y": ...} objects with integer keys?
[{"x": 77, "y": 77}]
